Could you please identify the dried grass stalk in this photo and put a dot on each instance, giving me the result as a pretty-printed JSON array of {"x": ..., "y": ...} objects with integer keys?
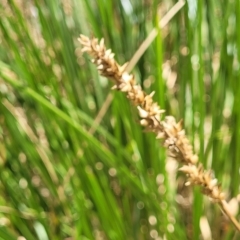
[{"x": 168, "y": 129}]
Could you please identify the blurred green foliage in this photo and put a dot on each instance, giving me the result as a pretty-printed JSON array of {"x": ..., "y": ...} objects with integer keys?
[{"x": 63, "y": 179}]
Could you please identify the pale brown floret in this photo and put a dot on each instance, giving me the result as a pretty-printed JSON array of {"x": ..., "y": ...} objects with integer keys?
[
  {"x": 198, "y": 176},
  {"x": 104, "y": 59}
]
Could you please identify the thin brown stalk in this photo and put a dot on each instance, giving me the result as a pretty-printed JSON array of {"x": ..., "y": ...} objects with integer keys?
[
  {"x": 101, "y": 113},
  {"x": 151, "y": 118},
  {"x": 152, "y": 35}
]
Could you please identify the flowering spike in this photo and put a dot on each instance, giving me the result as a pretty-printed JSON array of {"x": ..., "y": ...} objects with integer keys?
[{"x": 150, "y": 113}]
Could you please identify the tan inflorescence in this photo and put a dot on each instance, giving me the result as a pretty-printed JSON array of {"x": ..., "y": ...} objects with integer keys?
[{"x": 170, "y": 131}]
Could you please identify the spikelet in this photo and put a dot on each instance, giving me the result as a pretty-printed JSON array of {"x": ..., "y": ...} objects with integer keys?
[{"x": 168, "y": 129}]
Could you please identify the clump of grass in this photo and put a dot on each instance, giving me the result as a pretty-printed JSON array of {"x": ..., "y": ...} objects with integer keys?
[{"x": 151, "y": 117}]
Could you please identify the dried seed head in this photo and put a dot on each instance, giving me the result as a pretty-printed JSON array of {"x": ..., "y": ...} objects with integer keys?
[{"x": 150, "y": 113}]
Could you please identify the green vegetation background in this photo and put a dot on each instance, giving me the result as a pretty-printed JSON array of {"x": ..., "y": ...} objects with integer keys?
[{"x": 61, "y": 176}]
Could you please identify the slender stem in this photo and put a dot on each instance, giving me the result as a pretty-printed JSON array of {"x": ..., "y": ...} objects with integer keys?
[
  {"x": 147, "y": 42},
  {"x": 101, "y": 113},
  {"x": 225, "y": 208}
]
